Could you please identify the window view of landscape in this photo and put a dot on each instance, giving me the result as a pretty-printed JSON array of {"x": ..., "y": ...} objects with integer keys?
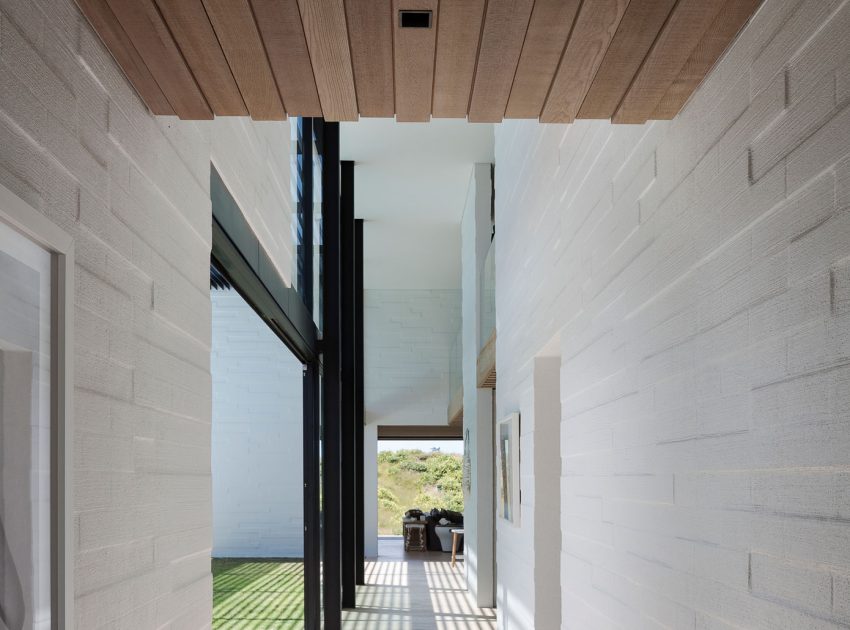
[{"x": 412, "y": 478}]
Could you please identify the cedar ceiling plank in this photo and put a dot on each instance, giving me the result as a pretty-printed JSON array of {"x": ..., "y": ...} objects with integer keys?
[
  {"x": 688, "y": 22},
  {"x": 196, "y": 38},
  {"x": 594, "y": 29},
  {"x": 240, "y": 40},
  {"x": 456, "y": 53},
  {"x": 414, "y": 50},
  {"x": 548, "y": 30},
  {"x": 720, "y": 34},
  {"x": 638, "y": 29},
  {"x": 327, "y": 40},
  {"x": 505, "y": 25},
  {"x": 280, "y": 26},
  {"x": 370, "y": 29},
  {"x": 145, "y": 27},
  {"x": 110, "y": 31}
]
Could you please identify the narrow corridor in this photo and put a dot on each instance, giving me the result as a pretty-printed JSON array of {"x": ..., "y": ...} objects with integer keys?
[{"x": 415, "y": 591}]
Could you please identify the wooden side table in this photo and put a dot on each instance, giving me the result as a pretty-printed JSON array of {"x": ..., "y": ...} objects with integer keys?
[
  {"x": 415, "y": 536},
  {"x": 456, "y": 534}
]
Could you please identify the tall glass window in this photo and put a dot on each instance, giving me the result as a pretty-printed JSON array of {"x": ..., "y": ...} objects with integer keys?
[{"x": 25, "y": 432}]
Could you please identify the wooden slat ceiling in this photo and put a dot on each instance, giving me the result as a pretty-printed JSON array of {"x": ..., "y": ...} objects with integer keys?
[{"x": 553, "y": 60}]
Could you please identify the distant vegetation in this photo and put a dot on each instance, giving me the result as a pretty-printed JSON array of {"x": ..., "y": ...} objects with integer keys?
[{"x": 414, "y": 479}]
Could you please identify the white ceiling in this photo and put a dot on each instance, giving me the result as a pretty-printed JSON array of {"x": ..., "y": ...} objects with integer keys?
[{"x": 410, "y": 184}]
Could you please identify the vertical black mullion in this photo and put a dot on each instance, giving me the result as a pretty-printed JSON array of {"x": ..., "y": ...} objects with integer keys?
[
  {"x": 346, "y": 210},
  {"x": 331, "y": 574},
  {"x": 312, "y": 558},
  {"x": 359, "y": 406},
  {"x": 311, "y": 407}
]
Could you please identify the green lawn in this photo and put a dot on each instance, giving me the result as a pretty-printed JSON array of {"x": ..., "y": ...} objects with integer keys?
[{"x": 258, "y": 594}]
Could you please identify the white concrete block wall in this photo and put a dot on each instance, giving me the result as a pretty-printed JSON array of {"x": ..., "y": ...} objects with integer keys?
[
  {"x": 479, "y": 511},
  {"x": 257, "y": 428},
  {"x": 78, "y": 145},
  {"x": 407, "y": 338},
  {"x": 696, "y": 272}
]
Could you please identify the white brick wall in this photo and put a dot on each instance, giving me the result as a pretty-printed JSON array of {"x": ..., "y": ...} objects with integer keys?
[
  {"x": 407, "y": 338},
  {"x": 696, "y": 271},
  {"x": 257, "y": 425},
  {"x": 77, "y": 144}
]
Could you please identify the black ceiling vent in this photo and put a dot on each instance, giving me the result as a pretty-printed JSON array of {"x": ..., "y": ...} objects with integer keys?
[{"x": 414, "y": 19}]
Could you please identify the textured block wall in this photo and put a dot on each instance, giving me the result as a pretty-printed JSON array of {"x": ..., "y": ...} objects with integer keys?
[
  {"x": 697, "y": 273},
  {"x": 257, "y": 427},
  {"x": 407, "y": 338},
  {"x": 78, "y": 145}
]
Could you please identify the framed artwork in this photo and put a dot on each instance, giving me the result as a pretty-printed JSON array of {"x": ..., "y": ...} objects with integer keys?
[{"x": 507, "y": 455}]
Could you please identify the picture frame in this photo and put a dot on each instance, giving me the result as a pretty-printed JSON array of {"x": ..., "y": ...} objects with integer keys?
[{"x": 507, "y": 468}]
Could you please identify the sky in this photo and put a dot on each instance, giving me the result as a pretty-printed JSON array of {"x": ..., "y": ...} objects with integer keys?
[{"x": 446, "y": 446}]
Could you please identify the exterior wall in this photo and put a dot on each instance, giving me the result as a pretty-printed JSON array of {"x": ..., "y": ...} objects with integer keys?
[
  {"x": 696, "y": 271},
  {"x": 257, "y": 428},
  {"x": 407, "y": 338},
  {"x": 77, "y": 144},
  {"x": 477, "y": 403}
]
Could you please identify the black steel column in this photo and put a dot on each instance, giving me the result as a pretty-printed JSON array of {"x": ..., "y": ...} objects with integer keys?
[
  {"x": 359, "y": 406},
  {"x": 312, "y": 551},
  {"x": 346, "y": 209},
  {"x": 331, "y": 574}
]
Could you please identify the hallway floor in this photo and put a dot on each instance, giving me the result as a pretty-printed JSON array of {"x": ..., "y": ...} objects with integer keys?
[{"x": 415, "y": 591}]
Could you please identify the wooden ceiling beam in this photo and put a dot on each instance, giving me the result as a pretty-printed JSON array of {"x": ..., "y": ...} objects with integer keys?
[
  {"x": 595, "y": 26},
  {"x": 420, "y": 432},
  {"x": 118, "y": 43},
  {"x": 688, "y": 22},
  {"x": 457, "y": 50},
  {"x": 637, "y": 31},
  {"x": 505, "y": 25},
  {"x": 234, "y": 23},
  {"x": 279, "y": 22},
  {"x": 147, "y": 30},
  {"x": 414, "y": 50},
  {"x": 327, "y": 40},
  {"x": 188, "y": 22},
  {"x": 548, "y": 31},
  {"x": 731, "y": 19},
  {"x": 370, "y": 29}
]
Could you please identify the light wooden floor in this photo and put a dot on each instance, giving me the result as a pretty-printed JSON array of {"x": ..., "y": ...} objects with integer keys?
[{"x": 415, "y": 591}]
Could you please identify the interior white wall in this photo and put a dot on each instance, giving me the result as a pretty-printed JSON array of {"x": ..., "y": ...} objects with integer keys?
[
  {"x": 257, "y": 436},
  {"x": 696, "y": 271},
  {"x": 370, "y": 495},
  {"x": 546, "y": 498},
  {"x": 407, "y": 338},
  {"x": 77, "y": 144},
  {"x": 477, "y": 403}
]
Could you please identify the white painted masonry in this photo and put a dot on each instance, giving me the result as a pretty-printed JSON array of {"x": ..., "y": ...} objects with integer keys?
[
  {"x": 257, "y": 428},
  {"x": 407, "y": 340},
  {"x": 77, "y": 144},
  {"x": 479, "y": 510},
  {"x": 697, "y": 272}
]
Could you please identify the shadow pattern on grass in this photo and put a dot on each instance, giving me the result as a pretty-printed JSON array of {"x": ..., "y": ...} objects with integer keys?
[{"x": 258, "y": 594}]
